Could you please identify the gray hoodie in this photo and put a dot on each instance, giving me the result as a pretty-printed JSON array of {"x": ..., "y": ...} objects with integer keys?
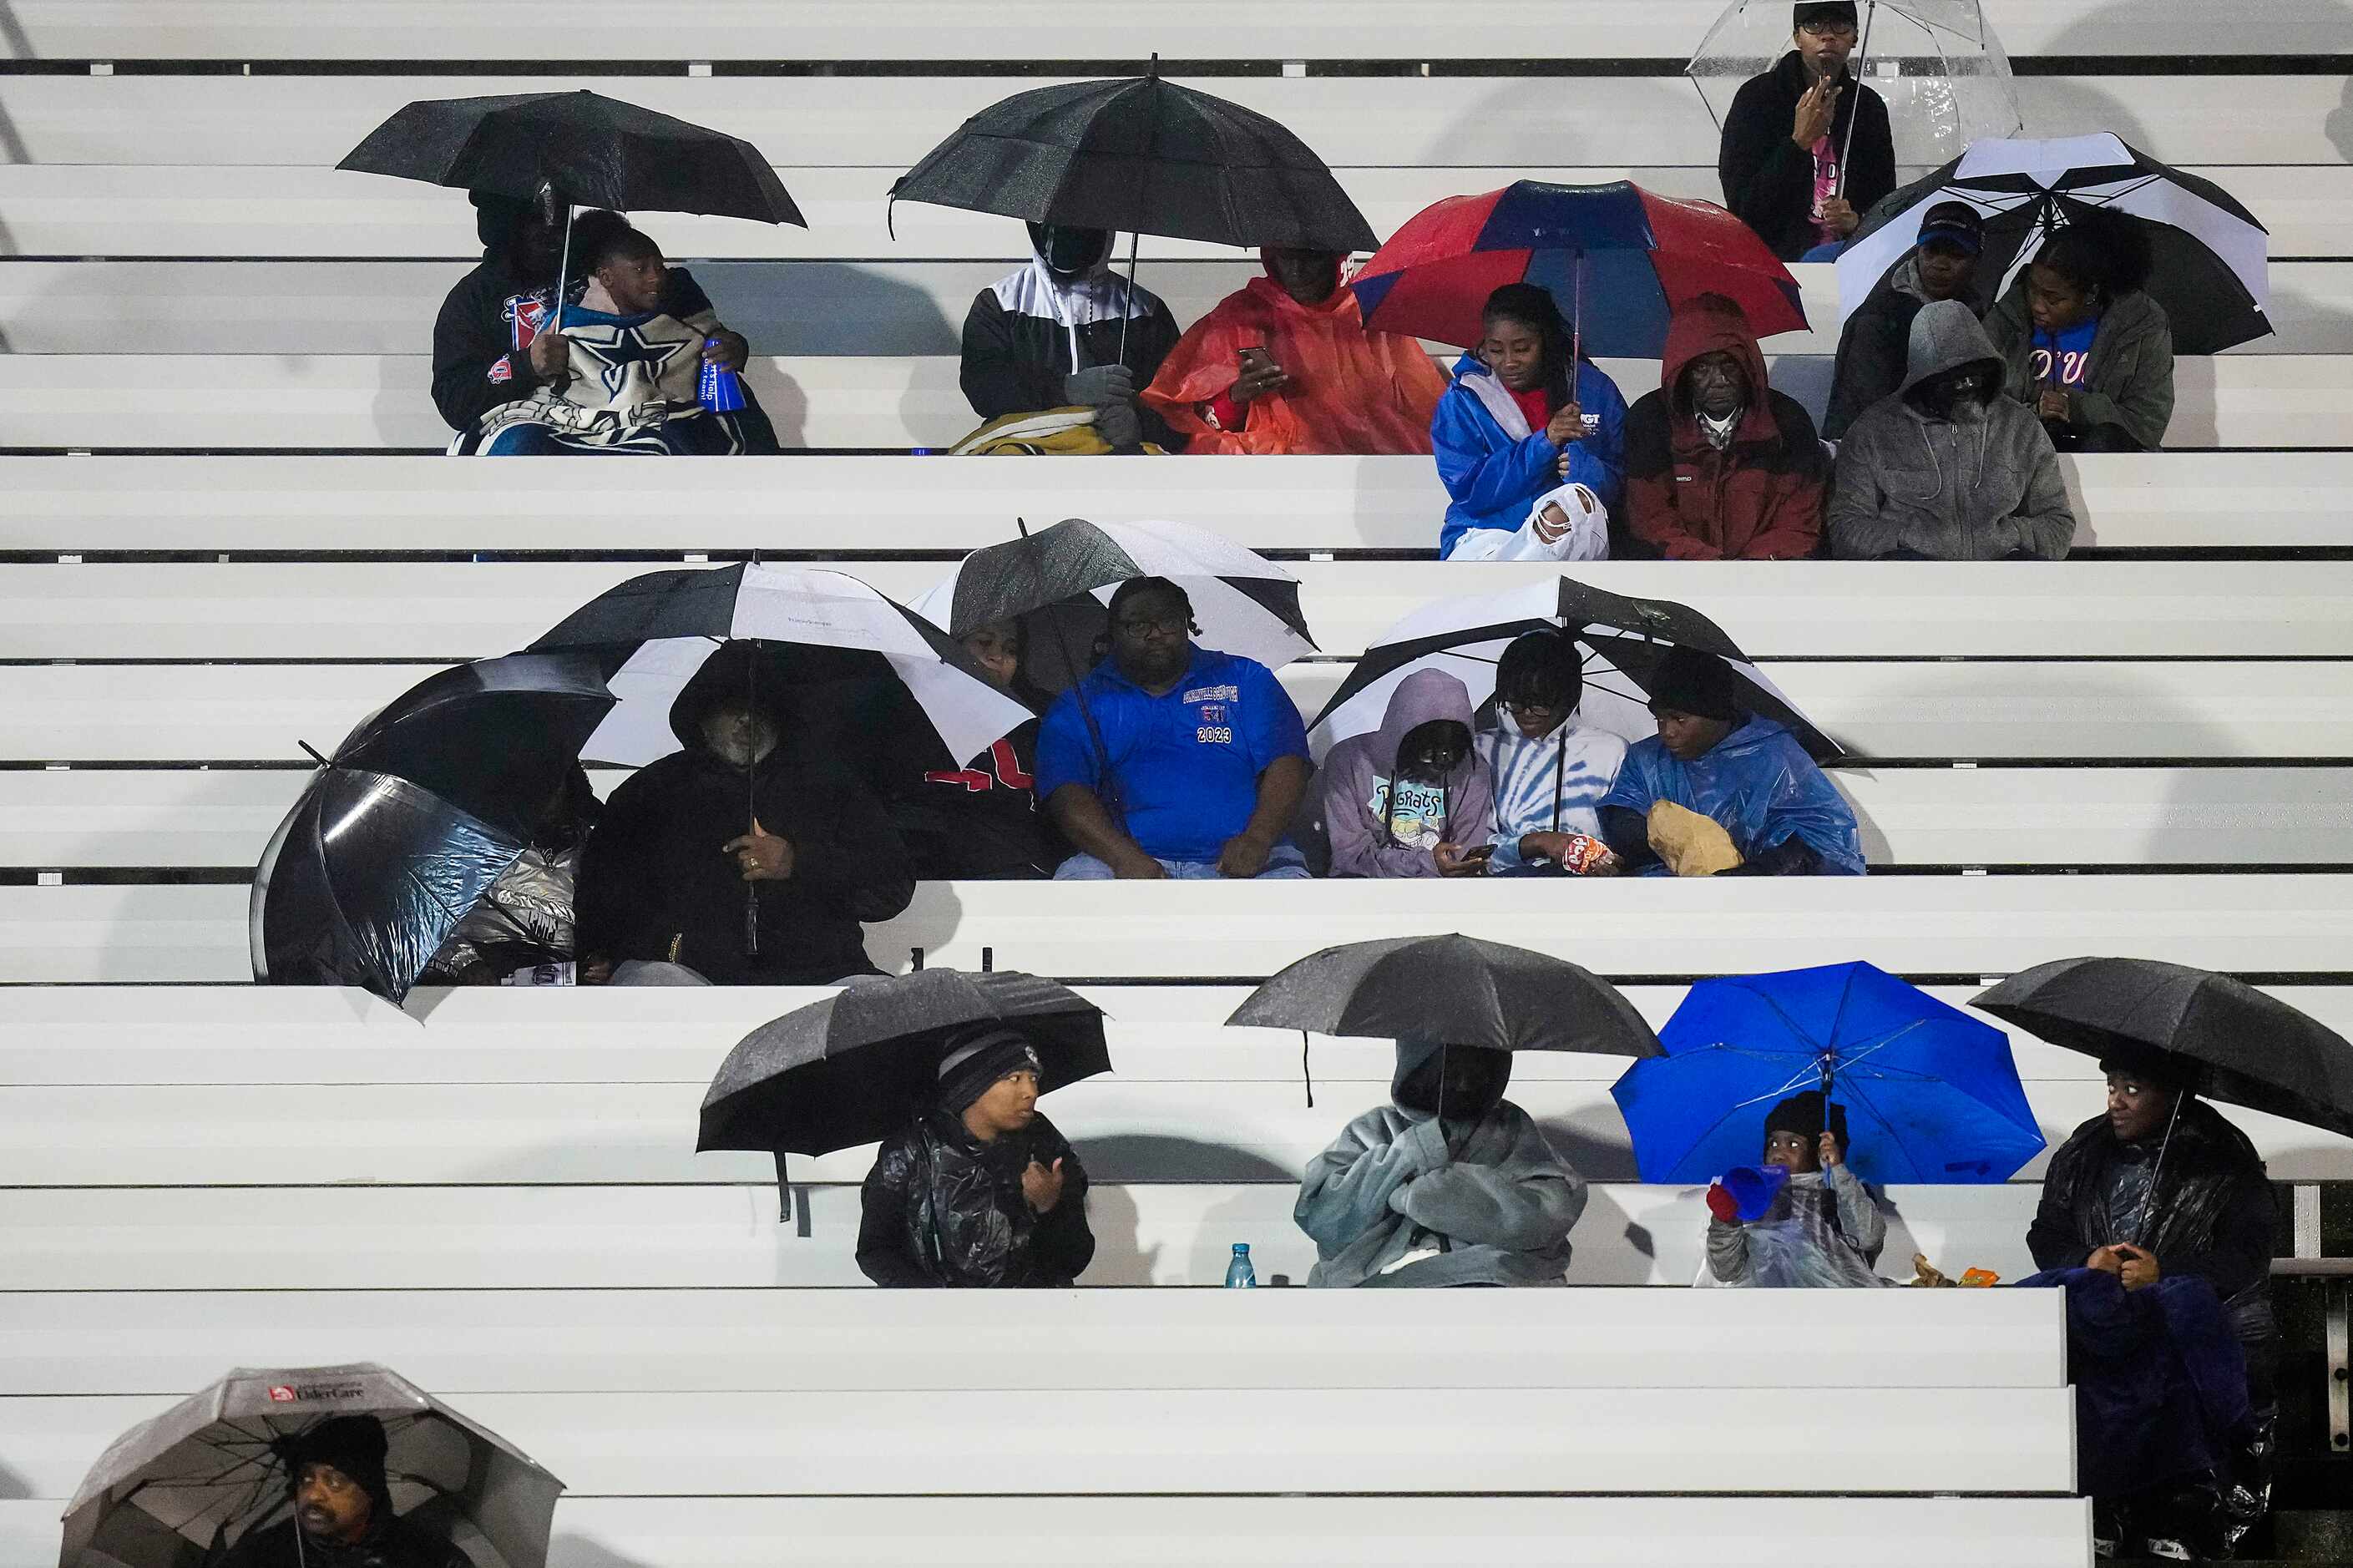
[
  {"x": 2130, "y": 384},
  {"x": 1378, "y": 827},
  {"x": 1980, "y": 486},
  {"x": 1478, "y": 1199}
]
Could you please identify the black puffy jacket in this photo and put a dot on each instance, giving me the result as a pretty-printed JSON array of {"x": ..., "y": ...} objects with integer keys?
[{"x": 942, "y": 1208}]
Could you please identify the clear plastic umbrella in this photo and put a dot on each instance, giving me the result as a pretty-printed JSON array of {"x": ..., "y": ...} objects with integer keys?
[{"x": 1936, "y": 63}]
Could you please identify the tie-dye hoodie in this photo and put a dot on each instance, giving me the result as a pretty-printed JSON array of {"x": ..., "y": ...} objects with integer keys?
[{"x": 1583, "y": 761}]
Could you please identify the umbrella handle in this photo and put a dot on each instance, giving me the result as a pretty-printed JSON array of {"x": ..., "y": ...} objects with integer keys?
[{"x": 1863, "y": 57}]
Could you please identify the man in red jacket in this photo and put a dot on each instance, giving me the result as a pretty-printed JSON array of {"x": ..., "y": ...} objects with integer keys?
[{"x": 1718, "y": 465}]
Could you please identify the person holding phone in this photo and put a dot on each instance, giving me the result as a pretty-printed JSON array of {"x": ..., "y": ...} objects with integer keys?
[
  {"x": 1410, "y": 798},
  {"x": 1285, "y": 366}
]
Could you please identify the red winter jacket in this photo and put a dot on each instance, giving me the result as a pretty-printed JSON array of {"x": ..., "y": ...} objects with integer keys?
[{"x": 1760, "y": 498}]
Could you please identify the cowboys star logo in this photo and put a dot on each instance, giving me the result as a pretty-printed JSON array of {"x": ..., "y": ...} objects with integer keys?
[{"x": 616, "y": 348}]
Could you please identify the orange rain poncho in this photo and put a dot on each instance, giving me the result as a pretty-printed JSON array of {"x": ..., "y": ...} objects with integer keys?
[{"x": 1352, "y": 391}]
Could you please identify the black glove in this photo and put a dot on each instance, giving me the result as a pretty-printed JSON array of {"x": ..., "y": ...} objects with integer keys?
[
  {"x": 1100, "y": 385},
  {"x": 1116, "y": 423}
]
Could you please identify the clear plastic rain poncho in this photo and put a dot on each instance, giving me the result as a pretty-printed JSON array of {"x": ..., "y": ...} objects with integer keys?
[{"x": 1936, "y": 63}]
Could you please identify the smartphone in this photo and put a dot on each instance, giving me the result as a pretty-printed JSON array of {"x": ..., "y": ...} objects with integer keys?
[
  {"x": 1256, "y": 358},
  {"x": 1479, "y": 852}
]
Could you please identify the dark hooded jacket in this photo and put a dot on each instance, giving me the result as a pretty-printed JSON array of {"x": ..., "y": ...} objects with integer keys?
[
  {"x": 1759, "y": 499},
  {"x": 355, "y": 1446},
  {"x": 493, "y": 313},
  {"x": 2213, "y": 1217},
  {"x": 654, "y": 883},
  {"x": 942, "y": 1208},
  {"x": 1768, "y": 179},
  {"x": 1025, "y": 334},
  {"x": 1405, "y": 1198},
  {"x": 2130, "y": 382},
  {"x": 1981, "y": 486},
  {"x": 1875, "y": 347}
]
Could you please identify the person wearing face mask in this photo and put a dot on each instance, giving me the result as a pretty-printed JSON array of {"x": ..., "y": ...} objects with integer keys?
[
  {"x": 2086, "y": 346},
  {"x": 1530, "y": 448},
  {"x": 1949, "y": 470},
  {"x": 1877, "y": 340},
  {"x": 1721, "y": 792},
  {"x": 748, "y": 857},
  {"x": 1448, "y": 1185},
  {"x": 623, "y": 375},
  {"x": 1285, "y": 365},
  {"x": 979, "y": 1192},
  {"x": 1549, "y": 771},
  {"x": 1787, "y": 132},
  {"x": 1411, "y": 799},
  {"x": 1068, "y": 330},
  {"x": 1720, "y": 467},
  {"x": 1823, "y": 1230}
]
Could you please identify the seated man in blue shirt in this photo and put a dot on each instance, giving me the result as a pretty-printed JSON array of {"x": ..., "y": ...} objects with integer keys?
[{"x": 1181, "y": 762}]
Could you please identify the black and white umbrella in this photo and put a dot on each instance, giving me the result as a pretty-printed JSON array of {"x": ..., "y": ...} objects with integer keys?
[
  {"x": 819, "y": 629},
  {"x": 2211, "y": 257},
  {"x": 1057, "y": 581},
  {"x": 1624, "y": 640},
  {"x": 195, "y": 1480}
]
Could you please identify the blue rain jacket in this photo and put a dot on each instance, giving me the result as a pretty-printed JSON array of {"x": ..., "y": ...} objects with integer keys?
[
  {"x": 1494, "y": 479},
  {"x": 1758, "y": 783}
]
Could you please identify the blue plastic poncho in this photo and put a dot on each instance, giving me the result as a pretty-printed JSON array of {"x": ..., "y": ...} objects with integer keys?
[{"x": 1758, "y": 783}]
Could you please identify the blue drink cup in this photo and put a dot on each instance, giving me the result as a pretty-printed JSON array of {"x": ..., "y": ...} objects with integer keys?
[
  {"x": 722, "y": 391},
  {"x": 1754, "y": 1188}
]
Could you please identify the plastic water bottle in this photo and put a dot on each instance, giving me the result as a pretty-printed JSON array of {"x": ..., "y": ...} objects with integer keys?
[
  {"x": 1239, "y": 1274},
  {"x": 721, "y": 392}
]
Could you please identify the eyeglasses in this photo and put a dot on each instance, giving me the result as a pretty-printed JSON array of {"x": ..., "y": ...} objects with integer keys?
[
  {"x": 1167, "y": 625},
  {"x": 1827, "y": 29},
  {"x": 1533, "y": 710}
]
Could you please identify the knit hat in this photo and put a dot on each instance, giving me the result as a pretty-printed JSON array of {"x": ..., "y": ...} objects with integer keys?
[
  {"x": 974, "y": 1061},
  {"x": 1825, "y": 11},
  {"x": 1700, "y": 684},
  {"x": 355, "y": 1444},
  {"x": 1802, "y": 1114},
  {"x": 1954, "y": 223}
]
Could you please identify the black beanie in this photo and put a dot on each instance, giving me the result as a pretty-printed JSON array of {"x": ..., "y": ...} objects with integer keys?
[
  {"x": 1824, "y": 10},
  {"x": 1701, "y": 684},
  {"x": 354, "y": 1444},
  {"x": 1802, "y": 1114},
  {"x": 974, "y": 1061}
]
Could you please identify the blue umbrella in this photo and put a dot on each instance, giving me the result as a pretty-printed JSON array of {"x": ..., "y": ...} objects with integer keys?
[{"x": 1931, "y": 1094}]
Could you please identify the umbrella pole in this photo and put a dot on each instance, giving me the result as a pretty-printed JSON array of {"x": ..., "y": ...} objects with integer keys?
[
  {"x": 751, "y": 823},
  {"x": 2140, "y": 1226},
  {"x": 1108, "y": 792},
  {"x": 563, "y": 272},
  {"x": 1862, "y": 59},
  {"x": 1127, "y": 308},
  {"x": 1576, "y": 327},
  {"x": 1306, "y": 1075}
]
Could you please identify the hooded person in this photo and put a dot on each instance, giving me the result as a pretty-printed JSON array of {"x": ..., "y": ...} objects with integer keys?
[
  {"x": 2162, "y": 1191},
  {"x": 1720, "y": 467},
  {"x": 523, "y": 930},
  {"x": 1396, "y": 801},
  {"x": 2086, "y": 346},
  {"x": 1285, "y": 366},
  {"x": 1824, "y": 1229},
  {"x": 979, "y": 1190},
  {"x": 748, "y": 857},
  {"x": 1451, "y": 1183},
  {"x": 1520, "y": 429},
  {"x": 1787, "y": 130},
  {"x": 1770, "y": 806},
  {"x": 1949, "y": 470},
  {"x": 492, "y": 316},
  {"x": 1549, "y": 772},
  {"x": 341, "y": 1498},
  {"x": 1875, "y": 346},
  {"x": 1066, "y": 331}
]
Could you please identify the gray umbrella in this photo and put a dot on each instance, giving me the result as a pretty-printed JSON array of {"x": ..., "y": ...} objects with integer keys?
[
  {"x": 211, "y": 1469},
  {"x": 853, "y": 1067},
  {"x": 1454, "y": 989}
]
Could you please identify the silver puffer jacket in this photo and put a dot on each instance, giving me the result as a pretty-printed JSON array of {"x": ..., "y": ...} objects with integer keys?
[{"x": 525, "y": 918}]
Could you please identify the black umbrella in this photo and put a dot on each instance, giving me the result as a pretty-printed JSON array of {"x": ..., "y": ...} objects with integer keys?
[
  {"x": 2221, "y": 1038},
  {"x": 856, "y": 1067},
  {"x": 594, "y": 150},
  {"x": 419, "y": 811},
  {"x": 2209, "y": 256},
  {"x": 1624, "y": 640},
  {"x": 1455, "y": 989}
]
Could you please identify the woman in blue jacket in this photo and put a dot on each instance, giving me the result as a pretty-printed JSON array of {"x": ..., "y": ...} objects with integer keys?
[{"x": 1512, "y": 435}]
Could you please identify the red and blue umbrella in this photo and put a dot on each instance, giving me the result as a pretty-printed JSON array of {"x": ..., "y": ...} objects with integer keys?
[{"x": 1618, "y": 260}]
